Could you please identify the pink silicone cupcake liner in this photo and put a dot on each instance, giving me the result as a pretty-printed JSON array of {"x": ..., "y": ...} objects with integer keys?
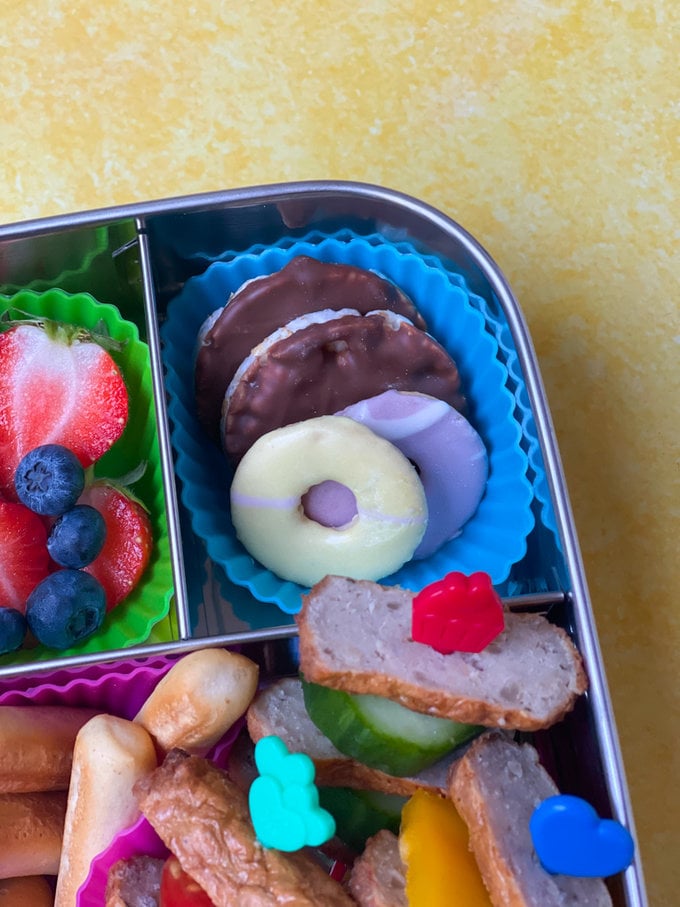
[
  {"x": 138, "y": 840},
  {"x": 119, "y": 688}
]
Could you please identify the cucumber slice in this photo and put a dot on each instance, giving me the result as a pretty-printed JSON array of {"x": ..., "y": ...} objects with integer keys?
[
  {"x": 359, "y": 814},
  {"x": 380, "y": 733}
]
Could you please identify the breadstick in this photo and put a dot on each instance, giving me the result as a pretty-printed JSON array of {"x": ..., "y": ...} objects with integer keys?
[
  {"x": 28, "y": 891},
  {"x": 36, "y": 746},
  {"x": 199, "y": 699},
  {"x": 31, "y": 827},
  {"x": 109, "y": 756}
]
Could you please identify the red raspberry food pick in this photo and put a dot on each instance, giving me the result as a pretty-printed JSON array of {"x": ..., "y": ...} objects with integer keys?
[{"x": 458, "y": 613}]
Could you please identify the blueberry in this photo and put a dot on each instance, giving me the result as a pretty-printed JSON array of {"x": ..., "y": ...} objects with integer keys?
[
  {"x": 12, "y": 629},
  {"x": 77, "y": 536},
  {"x": 65, "y": 608},
  {"x": 49, "y": 479}
]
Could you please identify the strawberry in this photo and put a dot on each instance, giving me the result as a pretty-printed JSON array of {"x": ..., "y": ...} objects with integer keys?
[
  {"x": 57, "y": 386},
  {"x": 24, "y": 560},
  {"x": 129, "y": 540}
]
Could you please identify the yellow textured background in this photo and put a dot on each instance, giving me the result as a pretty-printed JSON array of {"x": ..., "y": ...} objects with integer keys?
[{"x": 548, "y": 129}]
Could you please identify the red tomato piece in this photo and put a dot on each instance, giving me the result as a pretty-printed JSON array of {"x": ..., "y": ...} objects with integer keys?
[{"x": 178, "y": 889}]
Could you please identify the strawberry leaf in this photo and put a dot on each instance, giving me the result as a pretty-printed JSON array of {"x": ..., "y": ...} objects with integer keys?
[
  {"x": 66, "y": 333},
  {"x": 122, "y": 483}
]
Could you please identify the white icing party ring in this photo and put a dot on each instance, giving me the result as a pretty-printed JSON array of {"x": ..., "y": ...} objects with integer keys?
[
  {"x": 446, "y": 450},
  {"x": 386, "y": 517}
]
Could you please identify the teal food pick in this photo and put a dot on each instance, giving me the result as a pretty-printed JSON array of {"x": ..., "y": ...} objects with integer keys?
[{"x": 284, "y": 800}]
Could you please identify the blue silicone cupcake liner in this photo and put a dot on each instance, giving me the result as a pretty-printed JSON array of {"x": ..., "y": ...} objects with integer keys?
[
  {"x": 493, "y": 540},
  {"x": 524, "y": 414},
  {"x": 515, "y": 383},
  {"x": 496, "y": 325}
]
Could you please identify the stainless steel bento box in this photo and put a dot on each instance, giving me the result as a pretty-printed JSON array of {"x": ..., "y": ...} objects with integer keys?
[{"x": 139, "y": 257}]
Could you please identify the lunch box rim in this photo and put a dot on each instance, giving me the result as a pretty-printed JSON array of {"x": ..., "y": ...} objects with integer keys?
[{"x": 440, "y": 231}]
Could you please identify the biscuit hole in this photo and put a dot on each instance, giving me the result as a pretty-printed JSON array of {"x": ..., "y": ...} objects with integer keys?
[{"x": 330, "y": 504}]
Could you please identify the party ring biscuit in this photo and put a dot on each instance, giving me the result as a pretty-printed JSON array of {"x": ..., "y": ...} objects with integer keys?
[
  {"x": 320, "y": 363},
  {"x": 449, "y": 455},
  {"x": 390, "y": 512},
  {"x": 263, "y": 304}
]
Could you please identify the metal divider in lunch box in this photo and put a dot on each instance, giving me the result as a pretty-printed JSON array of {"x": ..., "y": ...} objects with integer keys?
[{"x": 153, "y": 248}]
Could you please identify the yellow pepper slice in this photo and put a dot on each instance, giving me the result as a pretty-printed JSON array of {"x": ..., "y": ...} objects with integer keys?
[{"x": 440, "y": 869}]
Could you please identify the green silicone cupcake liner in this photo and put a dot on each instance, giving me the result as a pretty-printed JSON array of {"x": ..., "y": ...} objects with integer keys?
[
  {"x": 146, "y": 608},
  {"x": 46, "y": 268}
]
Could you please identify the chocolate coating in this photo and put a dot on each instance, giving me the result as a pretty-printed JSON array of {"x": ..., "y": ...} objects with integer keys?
[
  {"x": 325, "y": 367},
  {"x": 256, "y": 310}
]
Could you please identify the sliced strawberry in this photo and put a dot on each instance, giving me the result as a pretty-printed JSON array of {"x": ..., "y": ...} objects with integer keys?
[
  {"x": 129, "y": 540},
  {"x": 56, "y": 386},
  {"x": 24, "y": 560}
]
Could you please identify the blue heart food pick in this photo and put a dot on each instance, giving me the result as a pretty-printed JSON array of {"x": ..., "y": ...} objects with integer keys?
[
  {"x": 284, "y": 801},
  {"x": 571, "y": 839}
]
